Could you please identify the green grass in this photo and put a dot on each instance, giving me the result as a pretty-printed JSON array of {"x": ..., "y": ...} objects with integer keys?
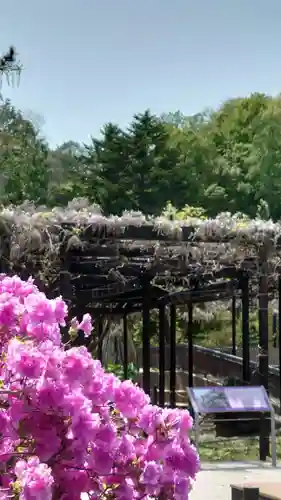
[
  {"x": 233, "y": 450},
  {"x": 218, "y": 332}
]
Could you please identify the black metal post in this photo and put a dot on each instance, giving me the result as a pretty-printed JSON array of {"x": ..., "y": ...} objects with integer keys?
[
  {"x": 245, "y": 328},
  {"x": 190, "y": 344},
  {"x": 233, "y": 321},
  {"x": 173, "y": 356}
]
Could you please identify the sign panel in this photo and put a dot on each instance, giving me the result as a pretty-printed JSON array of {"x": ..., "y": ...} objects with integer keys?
[{"x": 230, "y": 399}]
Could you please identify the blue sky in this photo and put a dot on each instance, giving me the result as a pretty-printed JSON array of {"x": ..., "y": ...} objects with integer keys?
[{"x": 88, "y": 62}]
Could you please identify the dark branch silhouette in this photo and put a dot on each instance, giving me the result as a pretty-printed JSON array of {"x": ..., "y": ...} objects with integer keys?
[
  {"x": 8, "y": 59},
  {"x": 10, "y": 66}
]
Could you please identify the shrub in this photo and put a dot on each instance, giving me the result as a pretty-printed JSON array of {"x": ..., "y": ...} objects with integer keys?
[
  {"x": 118, "y": 370},
  {"x": 67, "y": 427}
]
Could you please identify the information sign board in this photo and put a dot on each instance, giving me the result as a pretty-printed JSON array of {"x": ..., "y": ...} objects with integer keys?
[
  {"x": 229, "y": 399},
  {"x": 220, "y": 399}
]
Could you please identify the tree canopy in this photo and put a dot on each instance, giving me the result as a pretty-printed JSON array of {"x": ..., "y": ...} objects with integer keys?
[{"x": 228, "y": 159}]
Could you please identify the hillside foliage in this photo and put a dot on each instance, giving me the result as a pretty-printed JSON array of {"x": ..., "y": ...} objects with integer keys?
[{"x": 228, "y": 159}]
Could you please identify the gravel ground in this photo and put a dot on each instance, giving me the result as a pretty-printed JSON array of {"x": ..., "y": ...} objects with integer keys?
[{"x": 213, "y": 481}]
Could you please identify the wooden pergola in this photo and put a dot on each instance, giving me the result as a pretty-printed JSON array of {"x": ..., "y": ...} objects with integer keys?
[{"x": 119, "y": 265}]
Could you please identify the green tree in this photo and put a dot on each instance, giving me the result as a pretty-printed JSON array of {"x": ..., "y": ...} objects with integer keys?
[
  {"x": 231, "y": 133},
  {"x": 131, "y": 169},
  {"x": 265, "y": 175},
  {"x": 153, "y": 163},
  {"x": 66, "y": 171},
  {"x": 23, "y": 168},
  {"x": 105, "y": 170},
  {"x": 228, "y": 159}
]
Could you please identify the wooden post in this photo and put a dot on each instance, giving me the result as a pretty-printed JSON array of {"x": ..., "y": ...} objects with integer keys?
[
  {"x": 245, "y": 328},
  {"x": 155, "y": 395},
  {"x": 146, "y": 336},
  {"x": 274, "y": 328},
  {"x": 161, "y": 354},
  {"x": 125, "y": 348},
  {"x": 173, "y": 356},
  {"x": 263, "y": 341},
  {"x": 65, "y": 288},
  {"x": 233, "y": 320},
  {"x": 190, "y": 344},
  {"x": 99, "y": 323},
  {"x": 279, "y": 331}
]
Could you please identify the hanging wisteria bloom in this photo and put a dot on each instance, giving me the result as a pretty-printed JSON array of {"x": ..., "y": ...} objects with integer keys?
[{"x": 68, "y": 428}]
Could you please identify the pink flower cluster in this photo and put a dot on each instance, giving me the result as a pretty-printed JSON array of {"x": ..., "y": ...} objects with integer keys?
[{"x": 67, "y": 427}]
